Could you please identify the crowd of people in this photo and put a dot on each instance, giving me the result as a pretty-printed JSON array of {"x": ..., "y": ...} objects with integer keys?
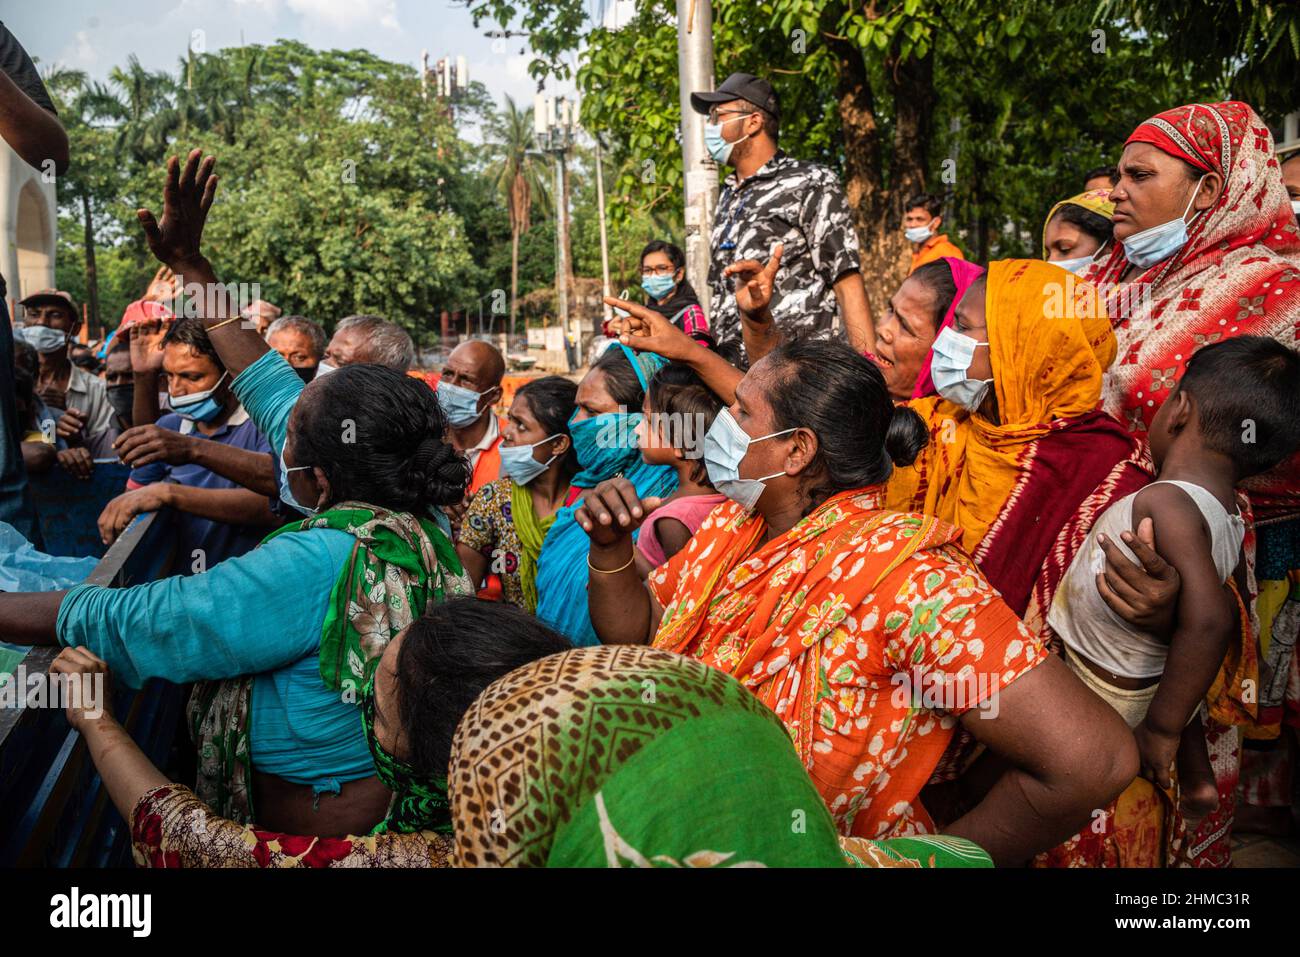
[{"x": 1006, "y": 572}]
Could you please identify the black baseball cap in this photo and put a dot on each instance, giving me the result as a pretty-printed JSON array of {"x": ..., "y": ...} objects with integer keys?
[{"x": 739, "y": 86}]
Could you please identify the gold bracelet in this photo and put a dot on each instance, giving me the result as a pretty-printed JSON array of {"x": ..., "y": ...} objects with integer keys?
[
  {"x": 224, "y": 322},
  {"x": 612, "y": 571}
]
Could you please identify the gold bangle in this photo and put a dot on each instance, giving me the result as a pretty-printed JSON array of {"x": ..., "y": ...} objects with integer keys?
[
  {"x": 223, "y": 322},
  {"x": 612, "y": 571}
]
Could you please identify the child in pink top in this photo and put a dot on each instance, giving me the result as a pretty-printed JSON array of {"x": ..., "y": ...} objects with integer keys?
[{"x": 677, "y": 412}]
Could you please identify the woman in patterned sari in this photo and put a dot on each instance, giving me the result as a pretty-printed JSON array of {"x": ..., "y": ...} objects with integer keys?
[
  {"x": 870, "y": 634},
  {"x": 1232, "y": 268},
  {"x": 426, "y": 678},
  {"x": 282, "y": 639},
  {"x": 1030, "y": 461},
  {"x": 610, "y": 757}
]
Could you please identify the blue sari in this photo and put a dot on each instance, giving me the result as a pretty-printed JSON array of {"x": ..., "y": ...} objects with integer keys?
[{"x": 562, "y": 565}]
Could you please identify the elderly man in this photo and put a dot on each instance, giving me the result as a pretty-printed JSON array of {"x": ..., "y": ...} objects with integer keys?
[
  {"x": 468, "y": 389},
  {"x": 261, "y": 313},
  {"x": 48, "y": 321},
  {"x": 300, "y": 341},
  {"x": 371, "y": 340}
]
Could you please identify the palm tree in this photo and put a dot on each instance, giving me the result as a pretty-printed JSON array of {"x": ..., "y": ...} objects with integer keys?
[
  {"x": 518, "y": 173},
  {"x": 86, "y": 110}
]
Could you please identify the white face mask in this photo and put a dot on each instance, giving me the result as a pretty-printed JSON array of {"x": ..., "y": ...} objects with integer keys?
[
  {"x": 951, "y": 359},
  {"x": 324, "y": 368},
  {"x": 1158, "y": 243},
  {"x": 918, "y": 234},
  {"x": 1295, "y": 207},
  {"x": 1076, "y": 265},
  {"x": 725, "y": 446}
]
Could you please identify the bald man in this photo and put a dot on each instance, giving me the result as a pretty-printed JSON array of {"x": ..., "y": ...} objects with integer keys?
[{"x": 468, "y": 389}]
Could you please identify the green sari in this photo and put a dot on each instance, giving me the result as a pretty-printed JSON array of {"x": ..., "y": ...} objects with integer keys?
[
  {"x": 627, "y": 756},
  {"x": 398, "y": 564},
  {"x": 531, "y": 532}
]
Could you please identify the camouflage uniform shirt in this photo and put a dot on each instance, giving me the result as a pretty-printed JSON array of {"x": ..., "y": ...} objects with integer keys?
[{"x": 797, "y": 203}]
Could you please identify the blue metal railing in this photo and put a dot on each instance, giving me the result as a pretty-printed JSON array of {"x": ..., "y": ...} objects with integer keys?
[{"x": 54, "y": 810}]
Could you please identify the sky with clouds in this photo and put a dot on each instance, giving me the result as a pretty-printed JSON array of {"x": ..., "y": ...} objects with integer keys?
[{"x": 96, "y": 36}]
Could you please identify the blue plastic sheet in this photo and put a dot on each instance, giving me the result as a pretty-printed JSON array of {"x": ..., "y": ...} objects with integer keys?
[{"x": 23, "y": 568}]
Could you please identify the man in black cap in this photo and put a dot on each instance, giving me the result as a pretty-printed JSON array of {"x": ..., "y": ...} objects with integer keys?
[{"x": 773, "y": 198}]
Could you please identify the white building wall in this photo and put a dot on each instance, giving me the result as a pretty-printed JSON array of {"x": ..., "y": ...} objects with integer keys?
[{"x": 28, "y": 221}]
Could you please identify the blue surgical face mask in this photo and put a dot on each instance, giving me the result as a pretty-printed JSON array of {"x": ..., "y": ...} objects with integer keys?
[
  {"x": 1158, "y": 243},
  {"x": 286, "y": 493},
  {"x": 918, "y": 234},
  {"x": 517, "y": 461},
  {"x": 719, "y": 148},
  {"x": 43, "y": 338},
  {"x": 198, "y": 406},
  {"x": 459, "y": 405},
  {"x": 656, "y": 287},
  {"x": 1076, "y": 265},
  {"x": 605, "y": 444},
  {"x": 725, "y": 447},
  {"x": 950, "y": 361}
]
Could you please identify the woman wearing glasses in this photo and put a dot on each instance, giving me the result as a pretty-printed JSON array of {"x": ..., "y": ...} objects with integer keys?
[{"x": 663, "y": 277}]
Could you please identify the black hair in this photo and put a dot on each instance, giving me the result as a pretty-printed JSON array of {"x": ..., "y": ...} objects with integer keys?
[
  {"x": 448, "y": 657},
  {"x": 27, "y": 363},
  {"x": 1247, "y": 392},
  {"x": 1094, "y": 224},
  {"x": 1110, "y": 172},
  {"x": 674, "y": 253},
  {"x": 84, "y": 357},
  {"x": 937, "y": 278},
  {"x": 379, "y": 436},
  {"x": 26, "y": 357},
  {"x": 620, "y": 378},
  {"x": 552, "y": 399},
  {"x": 829, "y": 387},
  {"x": 733, "y": 350},
  {"x": 928, "y": 201},
  {"x": 678, "y": 391},
  {"x": 771, "y": 125},
  {"x": 191, "y": 332}
]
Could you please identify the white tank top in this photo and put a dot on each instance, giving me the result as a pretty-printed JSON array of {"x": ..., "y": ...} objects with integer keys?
[{"x": 1086, "y": 623}]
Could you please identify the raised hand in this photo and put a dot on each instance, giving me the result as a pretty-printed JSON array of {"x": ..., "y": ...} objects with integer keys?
[
  {"x": 755, "y": 282},
  {"x": 146, "y": 338},
  {"x": 162, "y": 288},
  {"x": 645, "y": 330},
  {"x": 187, "y": 196}
]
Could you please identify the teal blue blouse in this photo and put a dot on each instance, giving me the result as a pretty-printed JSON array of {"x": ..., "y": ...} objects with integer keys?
[{"x": 260, "y": 613}]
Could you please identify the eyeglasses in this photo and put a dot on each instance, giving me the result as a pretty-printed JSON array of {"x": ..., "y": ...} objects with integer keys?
[
  {"x": 715, "y": 113},
  {"x": 658, "y": 270}
]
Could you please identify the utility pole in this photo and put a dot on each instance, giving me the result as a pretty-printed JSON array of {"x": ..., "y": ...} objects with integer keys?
[
  {"x": 695, "y": 74},
  {"x": 604, "y": 239},
  {"x": 553, "y": 128}
]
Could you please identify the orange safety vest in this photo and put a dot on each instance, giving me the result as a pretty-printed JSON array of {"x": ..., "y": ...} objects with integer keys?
[{"x": 488, "y": 469}]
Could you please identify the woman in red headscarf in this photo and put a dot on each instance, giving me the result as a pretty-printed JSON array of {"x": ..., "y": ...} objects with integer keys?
[{"x": 1206, "y": 248}]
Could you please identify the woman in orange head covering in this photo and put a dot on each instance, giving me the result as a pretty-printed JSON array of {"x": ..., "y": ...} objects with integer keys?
[{"x": 1022, "y": 458}]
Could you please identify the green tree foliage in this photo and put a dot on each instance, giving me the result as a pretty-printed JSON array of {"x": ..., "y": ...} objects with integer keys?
[
  {"x": 343, "y": 188},
  {"x": 1019, "y": 99}
]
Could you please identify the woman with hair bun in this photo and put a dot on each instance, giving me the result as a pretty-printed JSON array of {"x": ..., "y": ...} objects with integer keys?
[
  {"x": 283, "y": 640},
  {"x": 869, "y": 633}
]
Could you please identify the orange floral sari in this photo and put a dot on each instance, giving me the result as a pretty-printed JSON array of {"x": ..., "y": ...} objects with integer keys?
[{"x": 868, "y": 632}]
